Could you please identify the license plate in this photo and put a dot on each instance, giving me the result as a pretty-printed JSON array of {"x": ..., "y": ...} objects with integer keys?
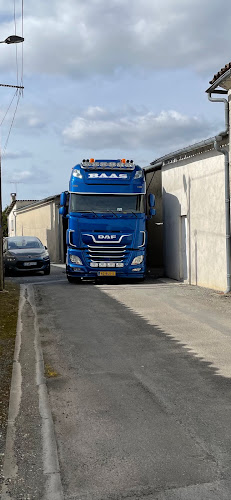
[
  {"x": 106, "y": 273},
  {"x": 27, "y": 264}
]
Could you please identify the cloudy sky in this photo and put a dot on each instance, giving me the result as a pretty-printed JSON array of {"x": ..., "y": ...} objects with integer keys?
[{"x": 105, "y": 79}]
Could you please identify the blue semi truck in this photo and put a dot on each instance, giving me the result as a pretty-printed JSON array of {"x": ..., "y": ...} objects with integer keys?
[{"x": 107, "y": 209}]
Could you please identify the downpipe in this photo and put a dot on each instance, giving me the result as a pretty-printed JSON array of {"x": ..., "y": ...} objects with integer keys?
[{"x": 224, "y": 151}]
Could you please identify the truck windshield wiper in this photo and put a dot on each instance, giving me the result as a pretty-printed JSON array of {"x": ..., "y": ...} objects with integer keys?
[
  {"x": 89, "y": 212},
  {"x": 112, "y": 212}
]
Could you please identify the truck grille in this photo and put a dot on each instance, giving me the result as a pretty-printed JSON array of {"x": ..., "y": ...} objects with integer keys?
[{"x": 109, "y": 253}]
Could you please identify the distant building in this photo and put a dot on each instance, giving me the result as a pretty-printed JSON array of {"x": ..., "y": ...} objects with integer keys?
[
  {"x": 11, "y": 212},
  {"x": 193, "y": 199},
  {"x": 196, "y": 203},
  {"x": 38, "y": 218}
]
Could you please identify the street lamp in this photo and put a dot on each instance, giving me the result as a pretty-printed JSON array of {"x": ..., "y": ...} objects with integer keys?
[
  {"x": 13, "y": 39},
  {"x": 10, "y": 39}
]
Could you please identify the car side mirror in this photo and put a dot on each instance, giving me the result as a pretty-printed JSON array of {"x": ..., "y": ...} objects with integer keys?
[{"x": 45, "y": 247}]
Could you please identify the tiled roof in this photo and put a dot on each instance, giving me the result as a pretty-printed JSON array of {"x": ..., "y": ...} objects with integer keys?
[
  {"x": 9, "y": 208},
  {"x": 221, "y": 72},
  {"x": 13, "y": 203}
]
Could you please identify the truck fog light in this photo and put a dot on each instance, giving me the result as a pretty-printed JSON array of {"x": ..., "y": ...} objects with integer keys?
[
  {"x": 75, "y": 259},
  {"x": 137, "y": 260},
  {"x": 137, "y": 269},
  {"x": 119, "y": 264},
  {"x": 77, "y": 270},
  {"x": 94, "y": 264}
]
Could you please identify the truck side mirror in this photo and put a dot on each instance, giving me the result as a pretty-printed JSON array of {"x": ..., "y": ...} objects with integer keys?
[
  {"x": 152, "y": 211},
  {"x": 63, "y": 199},
  {"x": 63, "y": 211},
  {"x": 152, "y": 200}
]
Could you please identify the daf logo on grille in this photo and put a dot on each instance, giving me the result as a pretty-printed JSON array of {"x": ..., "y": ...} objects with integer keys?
[{"x": 106, "y": 236}]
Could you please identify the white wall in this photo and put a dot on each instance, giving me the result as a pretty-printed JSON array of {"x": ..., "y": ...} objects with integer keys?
[
  {"x": 194, "y": 220},
  {"x": 154, "y": 225},
  {"x": 12, "y": 216},
  {"x": 41, "y": 221}
]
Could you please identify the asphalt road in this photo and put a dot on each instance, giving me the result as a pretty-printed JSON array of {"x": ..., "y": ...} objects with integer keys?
[{"x": 138, "y": 378}]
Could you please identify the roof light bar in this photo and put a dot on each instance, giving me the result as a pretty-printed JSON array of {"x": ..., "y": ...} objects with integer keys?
[{"x": 108, "y": 165}]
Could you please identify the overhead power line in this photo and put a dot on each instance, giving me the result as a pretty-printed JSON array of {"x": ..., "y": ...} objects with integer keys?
[
  {"x": 8, "y": 107},
  {"x": 11, "y": 125}
]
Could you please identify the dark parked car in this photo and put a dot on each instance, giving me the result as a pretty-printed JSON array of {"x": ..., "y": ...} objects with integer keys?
[{"x": 25, "y": 253}]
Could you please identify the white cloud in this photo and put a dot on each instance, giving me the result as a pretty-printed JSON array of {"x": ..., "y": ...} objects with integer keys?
[
  {"x": 10, "y": 155},
  {"x": 26, "y": 117},
  {"x": 99, "y": 128},
  {"x": 27, "y": 176},
  {"x": 82, "y": 38}
]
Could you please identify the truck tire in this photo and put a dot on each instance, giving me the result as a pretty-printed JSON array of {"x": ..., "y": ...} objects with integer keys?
[{"x": 73, "y": 280}]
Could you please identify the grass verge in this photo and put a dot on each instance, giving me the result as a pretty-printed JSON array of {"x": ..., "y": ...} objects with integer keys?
[{"x": 8, "y": 322}]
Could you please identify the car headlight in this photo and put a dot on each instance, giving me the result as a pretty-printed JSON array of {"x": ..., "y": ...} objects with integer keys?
[
  {"x": 137, "y": 260},
  {"x": 75, "y": 259},
  {"x": 45, "y": 256},
  {"x": 10, "y": 259}
]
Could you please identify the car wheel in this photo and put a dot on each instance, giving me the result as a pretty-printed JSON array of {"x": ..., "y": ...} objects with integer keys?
[{"x": 47, "y": 270}]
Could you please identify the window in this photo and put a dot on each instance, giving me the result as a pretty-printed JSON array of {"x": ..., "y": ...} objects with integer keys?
[{"x": 106, "y": 203}]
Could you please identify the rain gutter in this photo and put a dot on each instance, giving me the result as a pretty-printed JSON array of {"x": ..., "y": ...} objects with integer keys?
[
  {"x": 157, "y": 164},
  {"x": 224, "y": 151}
]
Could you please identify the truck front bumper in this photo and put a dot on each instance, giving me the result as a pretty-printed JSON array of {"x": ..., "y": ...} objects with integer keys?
[{"x": 125, "y": 272}]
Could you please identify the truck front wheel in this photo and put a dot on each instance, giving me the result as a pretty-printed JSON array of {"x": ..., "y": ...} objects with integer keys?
[{"x": 73, "y": 280}]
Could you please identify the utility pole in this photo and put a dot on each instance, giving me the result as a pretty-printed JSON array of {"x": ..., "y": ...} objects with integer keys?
[
  {"x": 1, "y": 233},
  {"x": 8, "y": 40}
]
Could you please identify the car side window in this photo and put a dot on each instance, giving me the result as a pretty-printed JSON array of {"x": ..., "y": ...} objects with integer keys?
[{"x": 4, "y": 246}]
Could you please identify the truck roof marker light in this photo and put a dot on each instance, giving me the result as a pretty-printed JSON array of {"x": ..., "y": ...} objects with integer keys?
[
  {"x": 92, "y": 160},
  {"x": 123, "y": 160}
]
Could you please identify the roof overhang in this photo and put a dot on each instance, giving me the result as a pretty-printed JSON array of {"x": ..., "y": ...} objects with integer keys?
[
  {"x": 184, "y": 153},
  {"x": 223, "y": 81}
]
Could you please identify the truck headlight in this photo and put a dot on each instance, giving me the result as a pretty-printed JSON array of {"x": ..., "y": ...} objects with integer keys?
[
  {"x": 138, "y": 174},
  {"x": 75, "y": 259},
  {"x": 77, "y": 173},
  {"x": 137, "y": 260}
]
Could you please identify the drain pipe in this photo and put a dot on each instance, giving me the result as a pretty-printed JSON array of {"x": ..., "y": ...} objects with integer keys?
[{"x": 224, "y": 151}]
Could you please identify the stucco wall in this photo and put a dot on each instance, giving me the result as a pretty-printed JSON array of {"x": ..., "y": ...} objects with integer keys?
[
  {"x": 194, "y": 220},
  {"x": 41, "y": 221},
  {"x": 154, "y": 225},
  {"x": 11, "y": 217}
]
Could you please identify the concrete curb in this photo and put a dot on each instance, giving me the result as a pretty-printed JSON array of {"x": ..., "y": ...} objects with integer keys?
[
  {"x": 53, "y": 486},
  {"x": 51, "y": 470},
  {"x": 10, "y": 465}
]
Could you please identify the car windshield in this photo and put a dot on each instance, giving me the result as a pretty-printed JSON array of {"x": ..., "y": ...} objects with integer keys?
[
  {"x": 106, "y": 203},
  {"x": 23, "y": 242}
]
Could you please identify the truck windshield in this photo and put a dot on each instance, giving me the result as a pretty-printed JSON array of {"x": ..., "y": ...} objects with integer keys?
[{"x": 105, "y": 203}]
